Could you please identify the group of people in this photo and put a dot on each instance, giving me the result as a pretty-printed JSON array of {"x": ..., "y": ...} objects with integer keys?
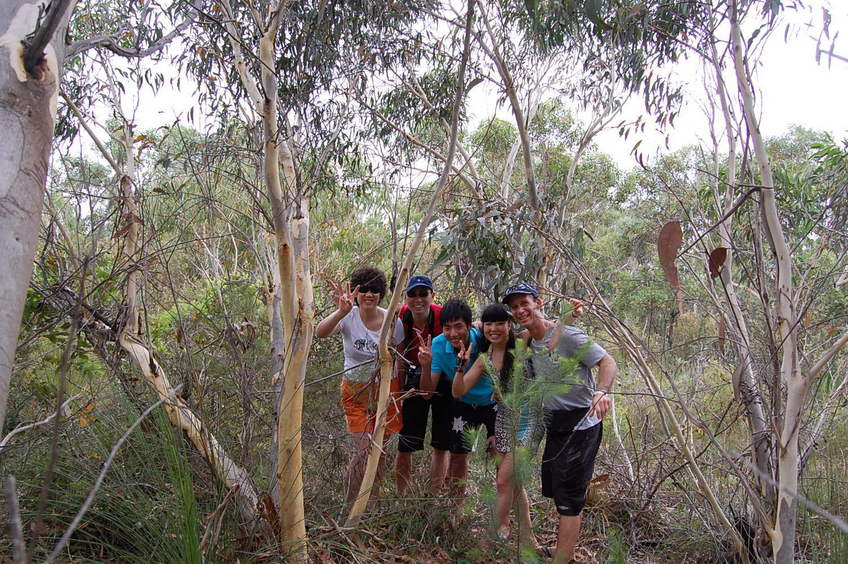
[{"x": 462, "y": 372}]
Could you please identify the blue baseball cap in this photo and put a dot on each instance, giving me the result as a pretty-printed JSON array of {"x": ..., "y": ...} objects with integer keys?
[
  {"x": 419, "y": 280},
  {"x": 520, "y": 289}
]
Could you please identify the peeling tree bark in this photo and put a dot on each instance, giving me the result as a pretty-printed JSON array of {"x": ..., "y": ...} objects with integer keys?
[
  {"x": 296, "y": 308},
  {"x": 292, "y": 301},
  {"x": 27, "y": 111}
]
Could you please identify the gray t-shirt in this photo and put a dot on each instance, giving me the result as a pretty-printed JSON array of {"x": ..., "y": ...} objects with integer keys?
[
  {"x": 360, "y": 345},
  {"x": 568, "y": 369}
]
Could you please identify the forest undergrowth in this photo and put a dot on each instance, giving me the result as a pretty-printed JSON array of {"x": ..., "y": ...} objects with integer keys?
[{"x": 159, "y": 497}]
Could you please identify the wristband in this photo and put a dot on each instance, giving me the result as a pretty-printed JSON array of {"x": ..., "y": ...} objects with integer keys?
[{"x": 600, "y": 392}]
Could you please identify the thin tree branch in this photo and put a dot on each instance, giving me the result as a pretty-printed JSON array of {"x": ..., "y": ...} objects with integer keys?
[
  {"x": 729, "y": 213},
  {"x": 415, "y": 141},
  {"x": 820, "y": 364},
  {"x": 520, "y": 121},
  {"x": 100, "y": 146},
  {"x": 16, "y": 529},
  {"x": 110, "y": 43},
  {"x": 45, "y": 421}
]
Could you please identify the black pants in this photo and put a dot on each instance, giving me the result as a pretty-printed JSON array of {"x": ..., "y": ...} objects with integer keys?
[
  {"x": 415, "y": 413},
  {"x": 569, "y": 460}
]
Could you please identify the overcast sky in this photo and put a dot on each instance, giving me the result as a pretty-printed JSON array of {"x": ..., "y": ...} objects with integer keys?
[{"x": 792, "y": 89}]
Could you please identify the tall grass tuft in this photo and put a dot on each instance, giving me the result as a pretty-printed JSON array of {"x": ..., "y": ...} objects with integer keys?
[{"x": 185, "y": 502}]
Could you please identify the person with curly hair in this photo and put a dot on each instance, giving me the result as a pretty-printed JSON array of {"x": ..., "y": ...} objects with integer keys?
[{"x": 359, "y": 318}]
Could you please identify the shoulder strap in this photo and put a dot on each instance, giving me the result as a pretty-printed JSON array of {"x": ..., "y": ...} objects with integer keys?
[{"x": 406, "y": 319}]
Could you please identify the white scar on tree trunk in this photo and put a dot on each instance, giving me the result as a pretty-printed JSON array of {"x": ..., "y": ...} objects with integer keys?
[{"x": 23, "y": 24}]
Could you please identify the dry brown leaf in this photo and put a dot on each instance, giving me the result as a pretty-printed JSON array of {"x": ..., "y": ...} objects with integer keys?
[
  {"x": 85, "y": 415},
  {"x": 668, "y": 242},
  {"x": 717, "y": 258}
]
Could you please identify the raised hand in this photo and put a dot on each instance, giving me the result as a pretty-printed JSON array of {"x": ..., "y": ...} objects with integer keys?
[
  {"x": 343, "y": 297},
  {"x": 462, "y": 356},
  {"x": 425, "y": 352},
  {"x": 577, "y": 307}
]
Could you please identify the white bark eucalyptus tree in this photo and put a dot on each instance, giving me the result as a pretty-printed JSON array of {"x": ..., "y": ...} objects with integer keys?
[
  {"x": 30, "y": 71},
  {"x": 796, "y": 380},
  {"x": 290, "y": 217},
  {"x": 33, "y": 51},
  {"x": 288, "y": 66}
]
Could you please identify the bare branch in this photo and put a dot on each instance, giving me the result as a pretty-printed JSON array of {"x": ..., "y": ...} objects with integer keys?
[
  {"x": 16, "y": 529},
  {"x": 100, "y": 146},
  {"x": 520, "y": 121},
  {"x": 34, "y": 52},
  {"x": 110, "y": 43},
  {"x": 45, "y": 421},
  {"x": 415, "y": 141},
  {"x": 820, "y": 364}
]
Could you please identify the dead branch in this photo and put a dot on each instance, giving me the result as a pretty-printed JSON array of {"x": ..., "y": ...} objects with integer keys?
[
  {"x": 21, "y": 428},
  {"x": 16, "y": 529}
]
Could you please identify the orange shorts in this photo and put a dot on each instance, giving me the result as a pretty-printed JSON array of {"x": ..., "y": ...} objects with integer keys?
[{"x": 359, "y": 402}]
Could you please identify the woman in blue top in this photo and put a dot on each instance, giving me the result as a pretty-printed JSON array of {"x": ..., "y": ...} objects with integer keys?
[{"x": 495, "y": 362}]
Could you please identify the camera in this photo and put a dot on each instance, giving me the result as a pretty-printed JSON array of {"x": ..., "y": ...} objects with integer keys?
[{"x": 413, "y": 378}]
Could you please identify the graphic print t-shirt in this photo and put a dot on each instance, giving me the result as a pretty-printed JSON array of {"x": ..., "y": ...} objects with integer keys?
[{"x": 360, "y": 346}]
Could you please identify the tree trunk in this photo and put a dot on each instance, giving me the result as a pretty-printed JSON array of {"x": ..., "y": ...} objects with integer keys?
[
  {"x": 385, "y": 356},
  {"x": 746, "y": 387},
  {"x": 27, "y": 113},
  {"x": 275, "y": 321},
  {"x": 293, "y": 289},
  {"x": 783, "y": 541},
  {"x": 296, "y": 305}
]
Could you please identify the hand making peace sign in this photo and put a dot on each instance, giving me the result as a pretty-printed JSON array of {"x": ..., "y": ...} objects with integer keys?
[
  {"x": 343, "y": 297},
  {"x": 425, "y": 352},
  {"x": 463, "y": 355}
]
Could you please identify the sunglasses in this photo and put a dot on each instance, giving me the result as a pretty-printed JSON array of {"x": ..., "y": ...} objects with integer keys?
[
  {"x": 418, "y": 293},
  {"x": 370, "y": 290}
]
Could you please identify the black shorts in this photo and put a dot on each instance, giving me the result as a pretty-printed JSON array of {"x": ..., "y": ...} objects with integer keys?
[
  {"x": 415, "y": 412},
  {"x": 567, "y": 466},
  {"x": 467, "y": 417}
]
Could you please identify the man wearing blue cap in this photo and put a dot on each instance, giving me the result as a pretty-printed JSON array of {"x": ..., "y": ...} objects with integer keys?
[
  {"x": 421, "y": 320},
  {"x": 572, "y": 415}
]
